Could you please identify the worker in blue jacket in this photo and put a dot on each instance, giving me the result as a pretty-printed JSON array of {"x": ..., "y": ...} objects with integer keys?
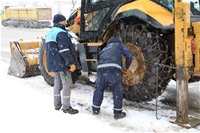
[
  {"x": 61, "y": 59},
  {"x": 109, "y": 74}
]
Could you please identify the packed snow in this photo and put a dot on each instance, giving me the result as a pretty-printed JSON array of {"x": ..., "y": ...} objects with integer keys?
[{"x": 27, "y": 107}]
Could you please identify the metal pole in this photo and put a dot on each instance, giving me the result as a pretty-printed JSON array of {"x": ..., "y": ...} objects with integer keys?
[
  {"x": 182, "y": 21},
  {"x": 182, "y": 42},
  {"x": 181, "y": 96}
]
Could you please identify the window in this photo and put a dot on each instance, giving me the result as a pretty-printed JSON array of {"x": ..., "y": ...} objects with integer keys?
[{"x": 94, "y": 19}]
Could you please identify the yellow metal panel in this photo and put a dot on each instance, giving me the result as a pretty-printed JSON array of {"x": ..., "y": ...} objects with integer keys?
[
  {"x": 31, "y": 44},
  {"x": 94, "y": 44},
  {"x": 30, "y": 50},
  {"x": 196, "y": 26},
  {"x": 154, "y": 10},
  {"x": 183, "y": 54},
  {"x": 44, "y": 14},
  {"x": 76, "y": 27},
  {"x": 31, "y": 13}
]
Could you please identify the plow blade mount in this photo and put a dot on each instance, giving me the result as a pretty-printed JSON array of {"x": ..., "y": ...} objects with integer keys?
[{"x": 24, "y": 58}]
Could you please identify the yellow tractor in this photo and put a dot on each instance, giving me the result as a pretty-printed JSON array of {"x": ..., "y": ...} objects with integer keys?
[{"x": 147, "y": 28}]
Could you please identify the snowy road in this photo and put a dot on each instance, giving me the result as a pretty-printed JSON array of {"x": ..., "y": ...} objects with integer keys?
[
  {"x": 28, "y": 102},
  {"x": 13, "y": 34}
]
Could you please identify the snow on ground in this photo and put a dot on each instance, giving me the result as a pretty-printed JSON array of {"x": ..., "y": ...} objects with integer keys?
[{"x": 27, "y": 107}]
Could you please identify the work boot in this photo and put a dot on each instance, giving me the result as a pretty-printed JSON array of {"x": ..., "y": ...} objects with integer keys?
[
  {"x": 58, "y": 108},
  {"x": 95, "y": 112},
  {"x": 119, "y": 116},
  {"x": 70, "y": 110}
]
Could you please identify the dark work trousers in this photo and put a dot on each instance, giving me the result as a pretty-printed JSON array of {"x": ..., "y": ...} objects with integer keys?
[
  {"x": 112, "y": 79},
  {"x": 64, "y": 85}
]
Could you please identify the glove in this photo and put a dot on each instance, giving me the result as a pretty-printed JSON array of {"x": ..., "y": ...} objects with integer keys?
[
  {"x": 72, "y": 68},
  {"x": 125, "y": 73}
]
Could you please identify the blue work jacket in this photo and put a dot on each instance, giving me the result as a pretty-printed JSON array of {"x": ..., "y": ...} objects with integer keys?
[{"x": 59, "y": 53}]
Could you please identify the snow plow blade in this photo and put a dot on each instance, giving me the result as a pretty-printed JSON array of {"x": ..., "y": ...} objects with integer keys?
[{"x": 24, "y": 58}]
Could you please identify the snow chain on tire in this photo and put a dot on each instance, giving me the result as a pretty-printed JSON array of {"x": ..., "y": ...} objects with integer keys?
[{"x": 154, "y": 50}]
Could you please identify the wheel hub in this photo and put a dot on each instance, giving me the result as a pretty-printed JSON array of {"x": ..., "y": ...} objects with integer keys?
[{"x": 137, "y": 68}]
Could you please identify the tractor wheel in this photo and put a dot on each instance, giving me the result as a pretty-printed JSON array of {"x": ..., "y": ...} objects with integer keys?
[
  {"x": 49, "y": 76},
  {"x": 146, "y": 79}
]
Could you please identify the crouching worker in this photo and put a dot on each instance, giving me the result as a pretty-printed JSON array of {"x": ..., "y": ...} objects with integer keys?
[
  {"x": 109, "y": 74},
  {"x": 60, "y": 55}
]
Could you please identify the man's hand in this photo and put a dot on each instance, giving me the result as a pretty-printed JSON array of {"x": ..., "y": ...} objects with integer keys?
[
  {"x": 72, "y": 68},
  {"x": 125, "y": 73}
]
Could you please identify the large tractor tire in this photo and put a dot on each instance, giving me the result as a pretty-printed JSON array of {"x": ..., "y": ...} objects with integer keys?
[
  {"x": 49, "y": 76},
  {"x": 148, "y": 75}
]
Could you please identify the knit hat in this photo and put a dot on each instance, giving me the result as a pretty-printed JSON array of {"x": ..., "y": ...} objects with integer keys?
[
  {"x": 112, "y": 39},
  {"x": 58, "y": 17}
]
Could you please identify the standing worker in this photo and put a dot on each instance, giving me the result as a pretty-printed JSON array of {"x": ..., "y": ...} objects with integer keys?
[
  {"x": 109, "y": 74},
  {"x": 61, "y": 59}
]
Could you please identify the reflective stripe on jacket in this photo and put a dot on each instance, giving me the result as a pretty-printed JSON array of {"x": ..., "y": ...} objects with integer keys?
[{"x": 111, "y": 56}]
